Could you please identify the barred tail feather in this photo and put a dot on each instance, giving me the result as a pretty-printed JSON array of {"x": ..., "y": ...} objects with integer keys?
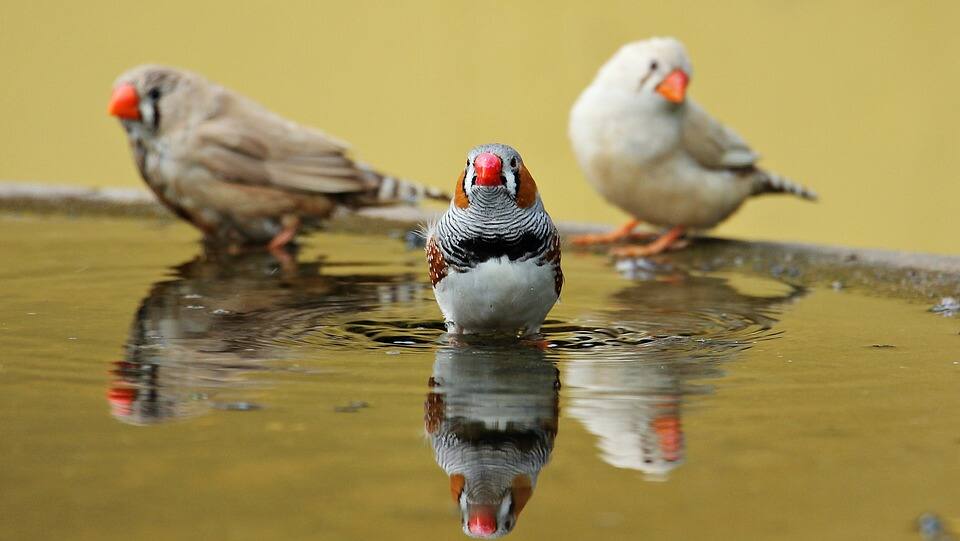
[
  {"x": 767, "y": 182},
  {"x": 392, "y": 189}
]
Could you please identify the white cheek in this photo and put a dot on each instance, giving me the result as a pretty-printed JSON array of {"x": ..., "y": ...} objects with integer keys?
[
  {"x": 511, "y": 182},
  {"x": 147, "y": 113},
  {"x": 468, "y": 180},
  {"x": 505, "y": 508}
]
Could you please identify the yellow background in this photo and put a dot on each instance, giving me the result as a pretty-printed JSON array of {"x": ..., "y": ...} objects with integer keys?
[{"x": 858, "y": 100}]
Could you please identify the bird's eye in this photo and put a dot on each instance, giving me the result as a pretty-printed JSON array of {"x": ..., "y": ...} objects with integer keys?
[
  {"x": 654, "y": 65},
  {"x": 513, "y": 162},
  {"x": 154, "y": 94}
]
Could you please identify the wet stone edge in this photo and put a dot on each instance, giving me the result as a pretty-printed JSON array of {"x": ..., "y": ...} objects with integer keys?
[{"x": 881, "y": 272}]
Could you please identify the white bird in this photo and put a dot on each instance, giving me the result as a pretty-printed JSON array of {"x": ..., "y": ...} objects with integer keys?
[{"x": 656, "y": 154}]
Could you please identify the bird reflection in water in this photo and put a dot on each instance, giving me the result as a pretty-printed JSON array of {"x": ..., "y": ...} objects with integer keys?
[
  {"x": 491, "y": 416},
  {"x": 631, "y": 396},
  {"x": 197, "y": 335}
]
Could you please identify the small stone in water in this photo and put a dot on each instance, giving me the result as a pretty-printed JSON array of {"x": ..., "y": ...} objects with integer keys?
[
  {"x": 637, "y": 269},
  {"x": 948, "y": 306},
  {"x": 221, "y": 311},
  {"x": 239, "y": 406},
  {"x": 932, "y": 528}
]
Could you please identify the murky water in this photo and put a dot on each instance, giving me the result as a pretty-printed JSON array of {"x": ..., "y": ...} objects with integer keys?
[{"x": 148, "y": 391}]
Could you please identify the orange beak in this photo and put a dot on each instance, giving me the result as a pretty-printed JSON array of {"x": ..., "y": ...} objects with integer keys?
[
  {"x": 670, "y": 435},
  {"x": 674, "y": 86},
  {"x": 482, "y": 520},
  {"x": 487, "y": 166},
  {"x": 124, "y": 102}
]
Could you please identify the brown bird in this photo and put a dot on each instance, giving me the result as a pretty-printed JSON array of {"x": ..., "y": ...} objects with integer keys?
[
  {"x": 236, "y": 171},
  {"x": 211, "y": 322}
]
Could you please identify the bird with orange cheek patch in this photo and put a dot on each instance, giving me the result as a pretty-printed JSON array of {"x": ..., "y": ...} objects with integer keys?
[
  {"x": 492, "y": 418},
  {"x": 494, "y": 255}
]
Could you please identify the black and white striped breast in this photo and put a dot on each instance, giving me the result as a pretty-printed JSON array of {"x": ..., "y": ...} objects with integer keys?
[{"x": 468, "y": 237}]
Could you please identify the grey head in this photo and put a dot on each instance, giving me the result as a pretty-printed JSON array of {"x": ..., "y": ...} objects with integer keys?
[
  {"x": 656, "y": 71},
  {"x": 495, "y": 176},
  {"x": 150, "y": 100}
]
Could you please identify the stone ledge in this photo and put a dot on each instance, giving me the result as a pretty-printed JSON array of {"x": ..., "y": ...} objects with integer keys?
[{"x": 881, "y": 271}]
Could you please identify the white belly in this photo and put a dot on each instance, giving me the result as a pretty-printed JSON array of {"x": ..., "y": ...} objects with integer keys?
[
  {"x": 676, "y": 192},
  {"x": 497, "y": 295},
  {"x": 634, "y": 158}
]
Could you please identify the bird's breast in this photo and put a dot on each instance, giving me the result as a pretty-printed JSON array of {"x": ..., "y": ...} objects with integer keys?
[
  {"x": 471, "y": 251},
  {"x": 615, "y": 135}
]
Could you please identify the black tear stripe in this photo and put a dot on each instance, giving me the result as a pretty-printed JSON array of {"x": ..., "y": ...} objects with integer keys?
[
  {"x": 156, "y": 113},
  {"x": 470, "y": 252},
  {"x": 140, "y": 155}
]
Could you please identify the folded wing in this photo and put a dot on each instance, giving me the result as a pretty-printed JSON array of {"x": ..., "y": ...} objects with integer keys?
[
  {"x": 244, "y": 143},
  {"x": 712, "y": 144}
]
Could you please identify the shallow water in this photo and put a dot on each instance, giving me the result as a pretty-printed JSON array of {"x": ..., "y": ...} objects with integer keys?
[{"x": 150, "y": 391}]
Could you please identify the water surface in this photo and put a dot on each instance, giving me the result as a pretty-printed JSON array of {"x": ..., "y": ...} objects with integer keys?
[{"x": 150, "y": 390}]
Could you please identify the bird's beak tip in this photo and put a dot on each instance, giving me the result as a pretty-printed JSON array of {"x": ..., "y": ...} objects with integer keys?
[
  {"x": 482, "y": 521},
  {"x": 488, "y": 167},
  {"x": 124, "y": 102},
  {"x": 674, "y": 86}
]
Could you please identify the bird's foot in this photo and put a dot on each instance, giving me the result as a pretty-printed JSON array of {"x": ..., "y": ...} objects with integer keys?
[
  {"x": 616, "y": 235},
  {"x": 671, "y": 240},
  {"x": 285, "y": 235},
  {"x": 287, "y": 260}
]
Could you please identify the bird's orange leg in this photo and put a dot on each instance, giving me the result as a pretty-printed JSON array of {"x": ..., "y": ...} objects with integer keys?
[
  {"x": 620, "y": 233},
  {"x": 289, "y": 231},
  {"x": 662, "y": 244},
  {"x": 278, "y": 244}
]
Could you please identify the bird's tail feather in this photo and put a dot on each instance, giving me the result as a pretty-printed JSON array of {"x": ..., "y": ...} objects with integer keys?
[
  {"x": 767, "y": 182},
  {"x": 392, "y": 189}
]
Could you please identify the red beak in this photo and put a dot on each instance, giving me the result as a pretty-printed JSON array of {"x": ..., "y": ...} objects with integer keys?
[
  {"x": 125, "y": 103},
  {"x": 674, "y": 86},
  {"x": 121, "y": 400},
  {"x": 482, "y": 520},
  {"x": 670, "y": 435},
  {"x": 488, "y": 168}
]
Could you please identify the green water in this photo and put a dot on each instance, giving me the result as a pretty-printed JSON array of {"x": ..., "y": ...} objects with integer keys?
[{"x": 148, "y": 391}]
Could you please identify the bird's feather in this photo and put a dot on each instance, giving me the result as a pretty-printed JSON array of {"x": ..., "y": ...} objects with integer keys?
[
  {"x": 244, "y": 143},
  {"x": 712, "y": 144}
]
